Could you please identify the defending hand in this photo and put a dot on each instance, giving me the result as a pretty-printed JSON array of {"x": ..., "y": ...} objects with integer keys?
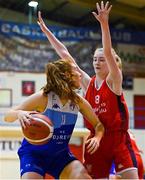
[
  {"x": 103, "y": 11},
  {"x": 41, "y": 23}
]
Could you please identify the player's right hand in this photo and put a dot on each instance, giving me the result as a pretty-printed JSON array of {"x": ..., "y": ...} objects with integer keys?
[
  {"x": 24, "y": 117},
  {"x": 92, "y": 144}
]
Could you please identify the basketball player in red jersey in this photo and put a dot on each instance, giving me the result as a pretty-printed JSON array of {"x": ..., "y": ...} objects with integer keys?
[{"x": 104, "y": 93}]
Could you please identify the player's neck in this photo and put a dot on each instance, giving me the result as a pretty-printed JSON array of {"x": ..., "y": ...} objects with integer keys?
[
  {"x": 99, "y": 80},
  {"x": 63, "y": 101}
]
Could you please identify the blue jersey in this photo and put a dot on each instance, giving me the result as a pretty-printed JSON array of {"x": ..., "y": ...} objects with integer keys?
[
  {"x": 53, "y": 156},
  {"x": 64, "y": 118}
]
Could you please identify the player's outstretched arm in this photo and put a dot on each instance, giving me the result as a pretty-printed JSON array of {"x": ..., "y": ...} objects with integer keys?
[
  {"x": 61, "y": 50},
  {"x": 102, "y": 15},
  {"x": 23, "y": 111},
  {"x": 57, "y": 45}
]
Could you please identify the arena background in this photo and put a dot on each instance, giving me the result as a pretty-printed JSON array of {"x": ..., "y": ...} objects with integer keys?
[{"x": 24, "y": 51}]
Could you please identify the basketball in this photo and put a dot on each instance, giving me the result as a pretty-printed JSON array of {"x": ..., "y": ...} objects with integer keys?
[{"x": 39, "y": 131}]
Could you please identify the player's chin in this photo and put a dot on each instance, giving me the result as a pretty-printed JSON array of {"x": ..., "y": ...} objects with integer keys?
[
  {"x": 77, "y": 86},
  {"x": 97, "y": 70}
]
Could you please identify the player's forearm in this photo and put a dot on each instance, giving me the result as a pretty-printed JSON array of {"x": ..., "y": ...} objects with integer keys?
[
  {"x": 107, "y": 48},
  {"x": 56, "y": 44},
  {"x": 106, "y": 38},
  {"x": 62, "y": 50}
]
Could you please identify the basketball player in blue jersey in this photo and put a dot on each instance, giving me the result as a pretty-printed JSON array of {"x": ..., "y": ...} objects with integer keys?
[{"x": 58, "y": 101}]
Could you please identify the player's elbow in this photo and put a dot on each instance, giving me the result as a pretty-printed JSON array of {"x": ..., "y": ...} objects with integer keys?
[
  {"x": 8, "y": 117},
  {"x": 65, "y": 54}
]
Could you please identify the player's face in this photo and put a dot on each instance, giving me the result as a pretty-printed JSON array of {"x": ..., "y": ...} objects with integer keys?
[
  {"x": 76, "y": 77},
  {"x": 99, "y": 63}
]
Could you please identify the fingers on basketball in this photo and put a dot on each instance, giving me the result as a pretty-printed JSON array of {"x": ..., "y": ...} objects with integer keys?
[{"x": 39, "y": 131}]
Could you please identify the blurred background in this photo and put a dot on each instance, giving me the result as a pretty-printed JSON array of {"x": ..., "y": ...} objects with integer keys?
[{"x": 24, "y": 51}]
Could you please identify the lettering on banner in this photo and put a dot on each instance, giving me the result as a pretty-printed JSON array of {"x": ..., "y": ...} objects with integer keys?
[{"x": 9, "y": 145}]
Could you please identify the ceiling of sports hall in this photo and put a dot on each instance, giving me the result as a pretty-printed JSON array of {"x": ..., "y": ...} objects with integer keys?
[{"x": 128, "y": 14}]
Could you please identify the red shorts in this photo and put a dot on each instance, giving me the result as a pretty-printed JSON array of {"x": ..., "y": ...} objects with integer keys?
[
  {"x": 114, "y": 147},
  {"x": 140, "y": 166}
]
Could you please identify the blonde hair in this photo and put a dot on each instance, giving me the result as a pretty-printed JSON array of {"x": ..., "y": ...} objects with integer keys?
[
  {"x": 118, "y": 59},
  {"x": 59, "y": 80}
]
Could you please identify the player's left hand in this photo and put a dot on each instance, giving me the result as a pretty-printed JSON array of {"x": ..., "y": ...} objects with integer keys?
[{"x": 92, "y": 144}]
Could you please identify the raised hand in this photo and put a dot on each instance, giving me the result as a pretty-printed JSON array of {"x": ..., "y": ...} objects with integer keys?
[
  {"x": 41, "y": 23},
  {"x": 103, "y": 11}
]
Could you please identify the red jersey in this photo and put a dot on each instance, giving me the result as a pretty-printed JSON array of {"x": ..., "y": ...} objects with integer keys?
[
  {"x": 115, "y": 145},
  {"x": 110, "y": 108}
]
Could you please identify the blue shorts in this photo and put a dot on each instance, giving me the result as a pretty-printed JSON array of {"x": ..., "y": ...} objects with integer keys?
[{"x": 43, "y": 163}]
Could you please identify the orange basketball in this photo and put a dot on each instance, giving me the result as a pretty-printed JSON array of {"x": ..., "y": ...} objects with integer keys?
[{"x": 39, "y": 131}]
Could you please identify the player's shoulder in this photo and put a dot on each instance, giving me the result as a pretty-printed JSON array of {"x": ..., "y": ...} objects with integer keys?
[
  {"x": 37, "y": 97},
  {"x": 38, "y": 94}
]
